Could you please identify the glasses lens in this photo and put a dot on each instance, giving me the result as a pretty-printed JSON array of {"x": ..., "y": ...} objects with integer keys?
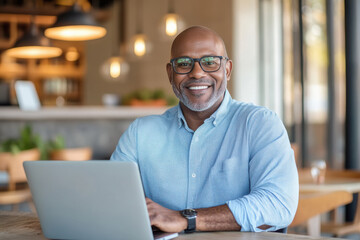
[
  {"x": 211, "y": 63},
  {"x": 183, "y": 64}
]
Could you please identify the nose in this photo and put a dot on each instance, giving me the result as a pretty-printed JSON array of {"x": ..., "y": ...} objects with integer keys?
[{"x": 197, "y": 71}]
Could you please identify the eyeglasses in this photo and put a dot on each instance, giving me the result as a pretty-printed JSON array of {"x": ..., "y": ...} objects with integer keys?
[{"x": 184, "y": 65}]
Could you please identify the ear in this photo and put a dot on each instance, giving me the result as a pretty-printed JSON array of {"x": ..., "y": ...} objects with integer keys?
[
  {"x": 169, "y": 71},
  {"x": 228, "y": 69}
]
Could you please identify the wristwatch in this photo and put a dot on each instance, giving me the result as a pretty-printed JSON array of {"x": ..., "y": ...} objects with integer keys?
[{"x": 190, "y": 215}]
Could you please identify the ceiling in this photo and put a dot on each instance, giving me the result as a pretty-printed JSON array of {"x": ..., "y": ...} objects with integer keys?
[
  {"x": 49, "y": 7},
  {"x": 16, "y": 14}
]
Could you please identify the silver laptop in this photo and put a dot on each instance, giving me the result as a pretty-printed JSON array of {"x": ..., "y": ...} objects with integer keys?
[{"x": 90, "y": 200}]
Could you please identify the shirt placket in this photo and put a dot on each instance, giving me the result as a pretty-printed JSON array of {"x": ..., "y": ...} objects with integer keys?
[{"x": 194, "y": 159}]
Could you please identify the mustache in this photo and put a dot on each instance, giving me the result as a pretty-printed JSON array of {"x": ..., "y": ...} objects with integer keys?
[{"x": 192, "y": 81}]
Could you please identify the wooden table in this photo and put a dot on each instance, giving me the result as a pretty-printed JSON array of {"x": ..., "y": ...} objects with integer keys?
[
  {"x": 335, "y": 180},
  {"x": 26, "y": 226}
]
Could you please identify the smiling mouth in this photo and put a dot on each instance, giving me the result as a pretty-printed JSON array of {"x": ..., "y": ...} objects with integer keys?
[{"x": 198, "y": 87}]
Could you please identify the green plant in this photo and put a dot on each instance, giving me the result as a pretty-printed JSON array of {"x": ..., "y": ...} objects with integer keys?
[
  {"x": 56, "y": 144},
  {"x": 26, "y": 141}
]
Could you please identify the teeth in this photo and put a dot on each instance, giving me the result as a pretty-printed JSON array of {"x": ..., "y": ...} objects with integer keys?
[{"x": 198, "y": 87}]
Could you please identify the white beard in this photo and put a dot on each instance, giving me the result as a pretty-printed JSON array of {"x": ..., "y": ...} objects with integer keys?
[{"x": 199, "y": 107}]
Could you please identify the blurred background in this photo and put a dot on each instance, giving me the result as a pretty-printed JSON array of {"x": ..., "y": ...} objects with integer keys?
[
  {"x": 96, "y": 65},
  {"x": 288, "y": 55}
]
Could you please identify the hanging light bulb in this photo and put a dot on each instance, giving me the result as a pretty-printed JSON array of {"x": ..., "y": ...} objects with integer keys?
[
  {"x": 139, "y": 45},
  {"x": 72, "y": 54},
  {"x": 115, "y": 68},
  {"x": 172, "y": 23},
  {"x": 33, "y": 45},
  {"x": 75, "y": 25}
]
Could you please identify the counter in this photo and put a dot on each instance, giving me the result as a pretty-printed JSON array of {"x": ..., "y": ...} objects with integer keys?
[
  {"x": 87, "y": 126},
  {"x": 79, "y": 112}
]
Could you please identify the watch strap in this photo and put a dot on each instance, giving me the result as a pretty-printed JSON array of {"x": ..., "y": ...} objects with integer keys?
[
  {"x": 190, "y": 215},
  {"x": 191, "y": 224}
]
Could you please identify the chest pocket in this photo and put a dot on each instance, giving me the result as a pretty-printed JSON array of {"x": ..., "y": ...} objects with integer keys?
[
  {"x": 228, "y": 172},
  {"x": 228, "y": 179}
]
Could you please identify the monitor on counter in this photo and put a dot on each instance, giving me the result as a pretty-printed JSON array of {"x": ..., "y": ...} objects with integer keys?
[
  {"x": 4, "y": 94},
  {"x": 27, "y": 96}
]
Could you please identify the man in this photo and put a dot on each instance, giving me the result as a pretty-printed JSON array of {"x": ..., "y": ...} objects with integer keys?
[{"x": 230, "y": 161}]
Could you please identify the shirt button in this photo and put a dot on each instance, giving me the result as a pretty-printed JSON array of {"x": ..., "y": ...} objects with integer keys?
[
  {"x": 193, "y": 175},
  {"x": 196, "y": 139}
]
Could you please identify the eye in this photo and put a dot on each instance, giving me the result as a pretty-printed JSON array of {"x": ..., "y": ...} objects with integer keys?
[
  {"x": 183, "y": 63},
  {"x": 209, "y": 61}
]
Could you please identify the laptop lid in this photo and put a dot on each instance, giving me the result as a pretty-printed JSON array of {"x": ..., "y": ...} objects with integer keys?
[{"x": 89, "y": 199}]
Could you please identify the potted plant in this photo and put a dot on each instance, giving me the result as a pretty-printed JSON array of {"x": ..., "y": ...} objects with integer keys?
[
  {"x": 146, "y": 97},
  {"x": 58, "y": 151},
  {"x": 13, "y": 152}
]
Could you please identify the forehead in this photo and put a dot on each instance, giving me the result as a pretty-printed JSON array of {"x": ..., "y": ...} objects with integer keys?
[{"x": 197, "y": 43}]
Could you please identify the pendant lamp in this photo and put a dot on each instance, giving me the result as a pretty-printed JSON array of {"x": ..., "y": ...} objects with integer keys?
[
  {"x": 139, "y": 42},
  {"x": 116, "y": 68},
  {"x": 75, "y": 25},
  {"x": 172, "y": 23},
  {"x": 33, "y": 45}
]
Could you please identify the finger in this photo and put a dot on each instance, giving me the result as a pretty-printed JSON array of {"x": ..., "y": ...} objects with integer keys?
[
  {"x": 148, "y": 200},
  {"x": 153, "y": 218}
]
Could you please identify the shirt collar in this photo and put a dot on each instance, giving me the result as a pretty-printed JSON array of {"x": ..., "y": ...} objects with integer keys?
[
  {"x": 221, "y": 112},
  {"x": 181, "y": 118},
  {"x": 216, "y": 117}
]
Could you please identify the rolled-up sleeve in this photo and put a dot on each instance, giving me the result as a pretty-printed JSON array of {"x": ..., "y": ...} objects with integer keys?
[{"x": 274, "y": 186}]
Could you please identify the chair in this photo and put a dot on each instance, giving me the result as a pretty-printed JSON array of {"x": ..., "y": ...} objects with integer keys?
[
  {"x": 350, "y": 179},
  {"x": 313, "y": 204},
  {"x": 335, "y": 180},
  {"x": 17, "y": 190}
]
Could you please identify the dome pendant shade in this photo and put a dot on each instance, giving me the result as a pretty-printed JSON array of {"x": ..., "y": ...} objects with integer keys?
[
  {"x": 75, "y": 25},
  {"x": 33, "y": 45}
]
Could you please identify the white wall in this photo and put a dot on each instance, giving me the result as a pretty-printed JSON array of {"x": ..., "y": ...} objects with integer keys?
[
  {"x": 246, "y": 51},
  {"x": 257, "y": 51}
]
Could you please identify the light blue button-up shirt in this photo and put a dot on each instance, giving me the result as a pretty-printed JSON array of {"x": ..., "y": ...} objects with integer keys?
[{"x": 240, "y": 156}]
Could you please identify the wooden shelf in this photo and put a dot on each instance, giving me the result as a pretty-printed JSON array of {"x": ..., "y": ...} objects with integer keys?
[{"x": 68, "y": 75}]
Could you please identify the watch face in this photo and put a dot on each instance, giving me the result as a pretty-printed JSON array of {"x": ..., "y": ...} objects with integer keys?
[{"x": 189, "y": 213}]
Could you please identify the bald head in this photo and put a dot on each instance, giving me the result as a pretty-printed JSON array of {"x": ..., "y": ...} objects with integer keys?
[{"x": 195, "y": 38}]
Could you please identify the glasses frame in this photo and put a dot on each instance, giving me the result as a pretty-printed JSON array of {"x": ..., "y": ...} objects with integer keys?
[{"x": 172, "y": 62}]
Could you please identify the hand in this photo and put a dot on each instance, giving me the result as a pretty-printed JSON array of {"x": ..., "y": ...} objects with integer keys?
[{"x": 166, "y": 220}]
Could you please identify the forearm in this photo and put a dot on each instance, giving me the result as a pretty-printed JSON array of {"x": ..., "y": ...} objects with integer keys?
[{"x": 218, "y": 218}]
